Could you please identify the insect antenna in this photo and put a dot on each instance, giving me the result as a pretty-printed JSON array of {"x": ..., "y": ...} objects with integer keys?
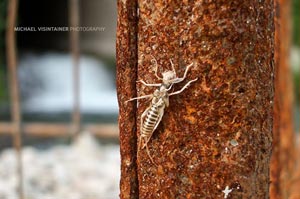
[
  {"x": 156, "y": 67},
  {"x": 173, "y": 68}
]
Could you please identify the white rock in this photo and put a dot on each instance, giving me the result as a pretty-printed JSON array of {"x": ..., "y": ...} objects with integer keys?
[{"x": 83, "y": 170}]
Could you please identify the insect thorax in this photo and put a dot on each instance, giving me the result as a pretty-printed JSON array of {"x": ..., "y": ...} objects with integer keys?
[
  {"x": 160, "y": 98},
  {"x": 168, "y": 75}
]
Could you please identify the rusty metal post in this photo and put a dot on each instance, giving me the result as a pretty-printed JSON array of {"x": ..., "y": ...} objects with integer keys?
[
  {"x": 74, "y": 47},
  {"x": 283, "y": 156},
  {"x": 11, "y": 57},
  {"x": 126, "y": 79},
  {"x": 214, "y": 140}
]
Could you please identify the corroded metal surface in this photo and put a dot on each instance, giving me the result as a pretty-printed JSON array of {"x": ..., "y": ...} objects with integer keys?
[
  {"x": 283, "y": 156},
  {"x": 275, "y": 166},
  {"x": 126, "y": 79},
  {"x": 214, "y": 140}
]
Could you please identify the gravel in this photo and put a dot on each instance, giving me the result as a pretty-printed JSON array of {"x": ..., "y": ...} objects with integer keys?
[{"x": 82, "y": 170}]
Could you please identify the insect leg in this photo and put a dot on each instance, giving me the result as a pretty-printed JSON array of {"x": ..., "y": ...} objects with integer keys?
[
  {"x": 148, "y": 152},
  {"x": 185, "y": 73},
  {"x": 187, "y": 69},
  {"x": 183, "y": 88},
  {"x": 146, "y": 84},
  {"x": 141, "y": 97}
]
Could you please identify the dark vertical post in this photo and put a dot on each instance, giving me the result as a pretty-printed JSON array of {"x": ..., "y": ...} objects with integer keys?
[
  {"x": 74, "y": 45},
  {"x": 214, "y": 140},
  {"x": 275, "y": 166},
  {"x": 283, "y": 156},
  {"x": 126, "y": 79},
  {"x": 11, "y": 57}
]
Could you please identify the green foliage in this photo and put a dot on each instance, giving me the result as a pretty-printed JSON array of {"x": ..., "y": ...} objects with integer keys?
[
  {"x": 3, "y": 89},
  {"x": 296, "y": 41},
  {"x": 296, "y": 22},
  {"x": 3, "y": 6}
]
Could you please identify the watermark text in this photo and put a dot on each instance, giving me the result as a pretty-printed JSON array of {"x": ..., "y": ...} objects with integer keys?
[{"x": 59, "y": 29}]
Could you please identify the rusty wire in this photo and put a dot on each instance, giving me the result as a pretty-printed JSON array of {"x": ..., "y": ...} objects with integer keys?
[
  {"x": 75, "y": 51},
  {"x": 14, "y": 88},
  {"x": 41, "y": 129}
]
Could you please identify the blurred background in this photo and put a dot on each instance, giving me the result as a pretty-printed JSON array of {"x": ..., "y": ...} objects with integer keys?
[
  {"x": 58, "y": 161},
  {"x": 295, "y": 55}
]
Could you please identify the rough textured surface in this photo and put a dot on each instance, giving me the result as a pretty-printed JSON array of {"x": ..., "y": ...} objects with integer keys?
[
  {"x": 126, "y": 77},
  {"x": 283, "y": 156},
  {"x": 214, "y": 140}
]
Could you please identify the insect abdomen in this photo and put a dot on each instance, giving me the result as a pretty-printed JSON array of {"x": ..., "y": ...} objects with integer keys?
[{"x": 150, "y": 121}]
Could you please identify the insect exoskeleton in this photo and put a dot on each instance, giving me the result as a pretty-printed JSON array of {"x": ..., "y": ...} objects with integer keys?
[{"x": 153, "y": 114}]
